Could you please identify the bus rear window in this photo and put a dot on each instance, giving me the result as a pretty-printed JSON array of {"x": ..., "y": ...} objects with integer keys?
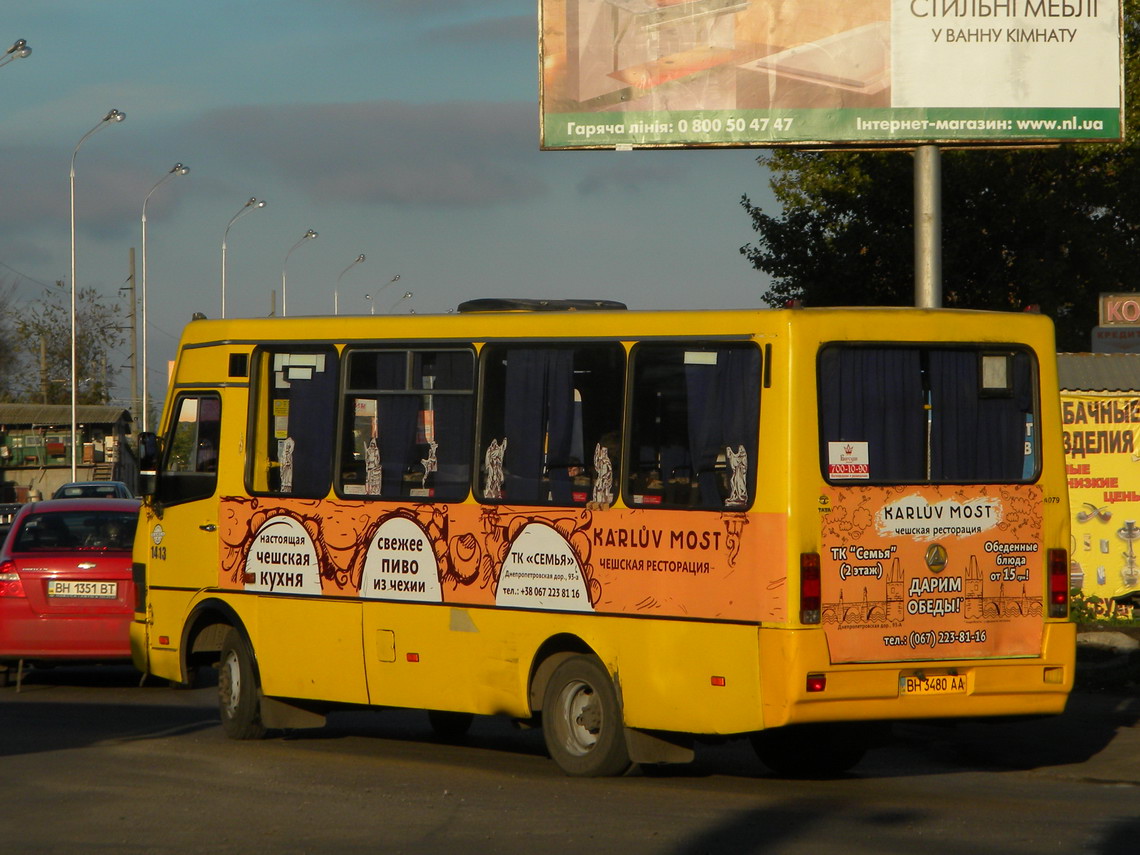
[{"x": 927, "y": 414}]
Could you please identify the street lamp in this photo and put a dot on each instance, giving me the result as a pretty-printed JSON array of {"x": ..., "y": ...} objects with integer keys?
[
  {"x": 336, "y": 290},
  {"x": 253, "y": 203},
  {"x": 177, "y": 169},
  {"x": 18, "y": 50},
  {"x": 306, "y": 236},
  {"x": 112, "y": 116},
  {"x": 368, "y": 297},
  {"x": 407, "y": 296}
]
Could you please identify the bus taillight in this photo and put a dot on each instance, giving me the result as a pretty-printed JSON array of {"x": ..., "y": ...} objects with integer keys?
[
  {"x": 1058, "y": 583},
  {"x": 809, "y": 587}
]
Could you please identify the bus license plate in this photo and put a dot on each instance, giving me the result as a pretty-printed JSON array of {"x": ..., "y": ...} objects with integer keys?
[
  {"x": 932, "y": 684},
  {"x": 84, "y": 590}
]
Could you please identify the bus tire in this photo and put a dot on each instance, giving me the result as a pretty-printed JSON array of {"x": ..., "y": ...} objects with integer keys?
[
  {"x": 582, "y": 722},
  {"x": 239, "y": 695},
  {"x": 450, "y": 726},
  {"x": 811, "y": 750}
]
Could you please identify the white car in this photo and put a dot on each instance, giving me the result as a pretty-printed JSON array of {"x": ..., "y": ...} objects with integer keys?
[{"x": 94, "y": 490}]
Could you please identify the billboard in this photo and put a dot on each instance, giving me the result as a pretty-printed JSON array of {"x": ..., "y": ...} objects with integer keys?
[
  {"x": 1119, "y": 329},
  {"x": 1103, "y": 463},
  {"x": 656, "y": 73}
]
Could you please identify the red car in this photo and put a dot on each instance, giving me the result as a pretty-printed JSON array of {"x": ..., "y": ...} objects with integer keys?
[{"x": 66, "y": 591}]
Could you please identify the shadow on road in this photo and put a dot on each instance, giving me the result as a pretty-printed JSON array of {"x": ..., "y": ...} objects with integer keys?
[
  {"x": 63, "y": 707},
  {"x": 68, "y": 707}
]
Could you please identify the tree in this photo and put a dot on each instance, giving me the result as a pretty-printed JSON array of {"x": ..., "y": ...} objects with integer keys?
[
  {"x": 9, "y": 356},
  {"x": 44, "y": 344},
  {"x": 1048, "y": 227}
]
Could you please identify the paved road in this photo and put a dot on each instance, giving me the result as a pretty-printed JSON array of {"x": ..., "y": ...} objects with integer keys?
[{"x": 91, "y": 762}]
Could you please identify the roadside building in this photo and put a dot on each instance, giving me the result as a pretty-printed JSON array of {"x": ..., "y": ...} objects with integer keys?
[{"x": 36, "y": 448}]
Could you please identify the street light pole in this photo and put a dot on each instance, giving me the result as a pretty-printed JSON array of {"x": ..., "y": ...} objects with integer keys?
[
  {"x": 112, "y": 116},
  {"x": 336, "y": 290},
  {"x": 177, "y": 169},
  {"x": 253, "y": 203},
  {"x": 310, "y": 234}
]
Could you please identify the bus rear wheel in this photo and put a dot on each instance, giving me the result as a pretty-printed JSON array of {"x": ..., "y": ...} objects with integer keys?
[
  {"x": 582, "y": 722},
  {"x": 811, "y": 750},
  {"x": 239, "y": 695}
]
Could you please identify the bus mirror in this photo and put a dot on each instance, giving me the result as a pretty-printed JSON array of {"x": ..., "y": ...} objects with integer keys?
[
  {"x": 148, "y": 451},
  {"x": 148, "y": 463}
]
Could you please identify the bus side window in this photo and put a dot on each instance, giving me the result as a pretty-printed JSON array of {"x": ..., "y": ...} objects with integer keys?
[
  {"x": 407, "y": 424},
  {"x": 550, "y": 431},
  {"x": 694, "y": 426},
  {"x": 190, "y": 466},
  {"x": 294, "y": 423}
]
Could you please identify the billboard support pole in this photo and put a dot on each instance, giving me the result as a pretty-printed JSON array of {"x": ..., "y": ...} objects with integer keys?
[{"x": 928, "y": 227}]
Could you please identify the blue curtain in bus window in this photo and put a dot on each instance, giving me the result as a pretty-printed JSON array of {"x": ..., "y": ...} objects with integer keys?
[
  {"x": 560, "y": 424},
  {"x": 453, "y": 422},
  {"x": 312, "y": 425},
  {"x": 539, "y": 394},
  {"x": 395, "y": 423},
  {"x": 739, "y": 388},
  {"x": 975, "y": 437},
  {"x": 723, "y": 411},
  {"x": 875, "y": 395}
]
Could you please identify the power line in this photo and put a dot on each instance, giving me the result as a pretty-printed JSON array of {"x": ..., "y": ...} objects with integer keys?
[{"x": 23, "y": 275}]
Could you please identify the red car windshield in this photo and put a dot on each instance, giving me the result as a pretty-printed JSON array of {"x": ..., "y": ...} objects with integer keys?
[{"x": 112, "y": 530}]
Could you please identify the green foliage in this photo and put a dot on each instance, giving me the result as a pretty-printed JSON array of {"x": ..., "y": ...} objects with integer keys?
[
  {"x": 1051, "y": 227},
  {"x": 43, "y": 348},
  {"x": 1093, "y": 609}
]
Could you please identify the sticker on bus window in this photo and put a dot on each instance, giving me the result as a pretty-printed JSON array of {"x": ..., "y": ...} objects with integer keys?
[
  {"x": 848, "y": 461},
  {"x": 425, "y": 427}
]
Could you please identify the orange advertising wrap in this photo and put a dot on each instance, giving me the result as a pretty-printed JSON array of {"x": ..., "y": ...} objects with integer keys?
[
  {"x": 931, "y": 572},
  {"x": 689, "y": 565},
  {"x": 1103, "y": 468}
]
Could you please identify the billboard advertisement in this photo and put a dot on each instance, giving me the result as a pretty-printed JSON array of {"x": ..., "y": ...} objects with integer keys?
[
  {"x": 1103, "y": 463},
  {"x": 676, "y": 73}
]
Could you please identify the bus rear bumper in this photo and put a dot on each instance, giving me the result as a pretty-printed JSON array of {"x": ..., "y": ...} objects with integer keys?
[{"x": 895, "y": 691}]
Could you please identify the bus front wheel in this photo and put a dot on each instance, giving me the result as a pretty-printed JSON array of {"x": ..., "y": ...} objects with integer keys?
[
  {"x": 581, "y": 720},
  {"x": 239, "y": 701}
]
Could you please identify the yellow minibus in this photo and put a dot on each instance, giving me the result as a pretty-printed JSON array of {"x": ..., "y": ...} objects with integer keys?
[{"x": 639, "y": 529}]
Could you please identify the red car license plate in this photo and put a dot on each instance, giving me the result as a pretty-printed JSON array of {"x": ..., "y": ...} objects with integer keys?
[{"x": 84, "y": 590}]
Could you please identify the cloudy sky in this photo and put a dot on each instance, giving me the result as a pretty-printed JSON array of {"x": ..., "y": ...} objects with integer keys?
[{"x": 406, "y": 130}]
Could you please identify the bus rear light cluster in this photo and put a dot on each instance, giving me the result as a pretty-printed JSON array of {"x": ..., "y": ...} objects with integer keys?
[
  {"x": 1058, "y": 583},
  {"x": 809, "y": 588},
  {"x": 816, "y": 682}
]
